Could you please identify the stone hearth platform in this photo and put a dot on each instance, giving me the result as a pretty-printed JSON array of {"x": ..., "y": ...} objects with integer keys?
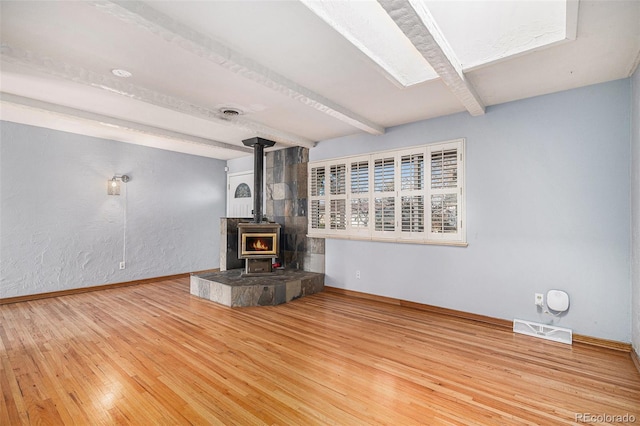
[{"x": 230, "y": 288}]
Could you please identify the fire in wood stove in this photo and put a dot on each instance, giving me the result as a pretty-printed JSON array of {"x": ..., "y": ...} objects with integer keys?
[{"x": 258, "y": 244}]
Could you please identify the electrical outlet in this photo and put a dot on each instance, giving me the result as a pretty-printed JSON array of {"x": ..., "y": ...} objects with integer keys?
[
  {"x": 122, "y": 265},
  {"x": 358, "y": 274},
  {"x": 539, "y": 299}
]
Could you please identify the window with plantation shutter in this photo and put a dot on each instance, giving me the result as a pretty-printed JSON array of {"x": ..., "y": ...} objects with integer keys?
[
  {"x": 384, "y": 174},
  {"x": 444, "y": 168},
  {"x": 385, "y": 214},
  {"x": 328, "y": 198},
  {"x": 445, "y": 191},
  {"x": 359, "y": 213},
  {"x": 317, "y": 214},
  {"x": 413, "y": 213},
  {"x": 384, "y": 206},
  {"x": 413, "y": 194},
  {"x": 317, "y": 181},
  {"x": 317, "y": 198},
  {"x": 338, "y": 177},
  {"x": 360, "y": 177},
  {"x": 338, "y": 214},
  {"x": 338, "y": 197},
  {"x": 444, "y": 213},
  {"x": 359, "y": 196},
  {"x": 412, "y": 171}
]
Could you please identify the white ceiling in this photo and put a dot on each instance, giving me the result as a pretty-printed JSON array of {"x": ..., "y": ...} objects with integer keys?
[{"x": 300, "y": 71}]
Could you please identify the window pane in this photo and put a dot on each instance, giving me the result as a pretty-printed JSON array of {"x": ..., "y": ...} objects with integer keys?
[
  {"x": 444, "y": 213},
  {"x": 383, "y": 177},
  {"x": 359, "y": 212},
  {"x": 444, "y": 168},
  {"x": 413, "y": 194},
  {"x": 412, "y": 172},
  {"x": 360, "y": 177},
  {"x": 242, "y": 191},
  {"x": 338, "y": 214},
  {"x": 413, "y": 214},
  {"x": 338, "y": 177},
  {"x": 317, "y": 214},
  {"x": 317, "y": 181},
  {"x": 385, "y": 214}
]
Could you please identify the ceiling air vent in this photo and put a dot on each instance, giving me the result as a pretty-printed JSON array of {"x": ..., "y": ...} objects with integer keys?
[{"x": 230, "y": 112}]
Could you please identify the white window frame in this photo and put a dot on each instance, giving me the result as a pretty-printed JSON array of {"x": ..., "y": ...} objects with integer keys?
[{"x": 455, "y": 186}]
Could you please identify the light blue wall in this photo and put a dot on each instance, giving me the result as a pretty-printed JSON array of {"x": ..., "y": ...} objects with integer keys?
[
  {"x": 547, "y": 191},
  {"x": 60, "y": 230},
  {"x": 635, "y": 212}
]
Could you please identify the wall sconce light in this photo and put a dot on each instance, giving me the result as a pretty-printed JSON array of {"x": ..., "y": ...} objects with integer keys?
[{"x": 113, "y": 184}]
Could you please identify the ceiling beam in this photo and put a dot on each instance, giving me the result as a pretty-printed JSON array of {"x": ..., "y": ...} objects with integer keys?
[
  {"x": 172, "y": 31},
  {"x": 76, "y": 74},
  {"x": 416, "y": 22},
  {"x": 118, "y": 123}
]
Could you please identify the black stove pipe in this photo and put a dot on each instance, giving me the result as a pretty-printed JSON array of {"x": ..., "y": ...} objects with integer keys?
[{"x": 258, "y": 145}]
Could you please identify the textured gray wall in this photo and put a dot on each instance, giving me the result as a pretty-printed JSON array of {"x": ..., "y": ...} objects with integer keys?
[
  {"x": 547, "y": 191},
  {"x": 635, "y": 212},
  {"x": 60, "y": 230}
]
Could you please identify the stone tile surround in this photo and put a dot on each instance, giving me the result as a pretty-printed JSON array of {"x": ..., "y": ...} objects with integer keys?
[
  {"x": 286, "y": 204},
  {"x": 231, "y": 289},
  {"x": 229, "y": 243}
]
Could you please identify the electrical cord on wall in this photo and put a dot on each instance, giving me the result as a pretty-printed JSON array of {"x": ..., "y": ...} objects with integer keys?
[
  {"x": 546, "y": 311},
  {"x": 124, "y": 227},
  {"x": 116, "y": 189}
]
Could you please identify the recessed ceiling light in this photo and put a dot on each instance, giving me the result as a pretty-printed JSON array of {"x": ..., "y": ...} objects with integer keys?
[{"x": 121, "y": 73}]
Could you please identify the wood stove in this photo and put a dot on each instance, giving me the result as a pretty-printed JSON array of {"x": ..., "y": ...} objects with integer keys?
[
  {"x": 258, "y": 241},
  {"x": 258, "y": 244}
]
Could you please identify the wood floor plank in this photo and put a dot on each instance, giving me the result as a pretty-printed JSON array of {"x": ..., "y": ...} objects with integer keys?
[{"x": 154, "y": 354}]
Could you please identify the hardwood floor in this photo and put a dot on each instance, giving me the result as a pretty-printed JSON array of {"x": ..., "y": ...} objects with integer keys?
[{"x": 153, "y": 354}]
